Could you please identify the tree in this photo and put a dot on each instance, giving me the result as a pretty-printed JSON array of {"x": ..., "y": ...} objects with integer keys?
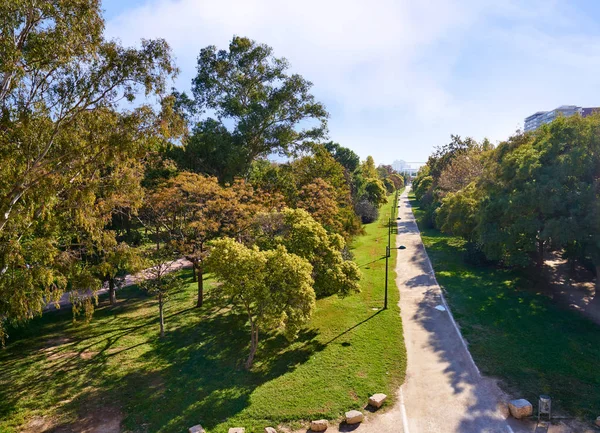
[
  {"x": 273, "y": 287},
  {"x": 346, "y": 157},
  {"x": 160, "y": 281},
  {"x": 191, "y": 209},
  {"x": 116, "y": 260},
  {"x": 368, "y": 168},
  {"x": 300, "y": 234},
  {"x": 318, "y": 199},
  {"x": 64, "y": 145},
  {"x": 398, "y": 181},
  {"x": 367, "y": 211},
  {"x": 257, "y": 104}
]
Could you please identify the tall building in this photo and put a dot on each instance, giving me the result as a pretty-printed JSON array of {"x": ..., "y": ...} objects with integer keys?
[{"x": 541, "y": 117}]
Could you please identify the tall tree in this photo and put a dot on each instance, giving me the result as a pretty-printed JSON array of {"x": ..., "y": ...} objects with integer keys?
[
  {"x": 62, "y": 137},
  {"x": 257, "y": 103},
  {"x": 274, "y": 288}
]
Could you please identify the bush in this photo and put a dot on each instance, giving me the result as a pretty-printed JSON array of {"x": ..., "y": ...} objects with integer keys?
[{"x": 367, "y": 212}]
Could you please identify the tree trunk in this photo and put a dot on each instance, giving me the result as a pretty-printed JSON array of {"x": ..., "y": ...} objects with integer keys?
[
  {"x": 200, "y": 286},
  {"x": 597, "y": 294},
  {"x": 194, "y": 267},
  {"x": 253, "y": 345},
  {"x": 112, "y": 292},
  {"x": 162, "y": 318},
  {"x": 540, "y": 260},
  {"x": 157, "y": 240}
]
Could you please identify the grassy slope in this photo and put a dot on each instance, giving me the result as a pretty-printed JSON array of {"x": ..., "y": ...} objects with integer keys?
[
  {"x": 531, "y": 344},
  {"x": 117, "y": 363}
]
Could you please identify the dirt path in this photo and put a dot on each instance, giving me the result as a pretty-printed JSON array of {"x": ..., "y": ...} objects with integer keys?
[{"x": 128, "y": 281}]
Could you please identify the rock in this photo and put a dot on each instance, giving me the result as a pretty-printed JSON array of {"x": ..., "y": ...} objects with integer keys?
[
  {"x": 237, "y": 430},
  {"x": 319, "y": 425},
  {"x": 196, "y": 429},
  {"x": 270, "y": 430},
  {"x": 376, "y": 400},
  {"x": 520, "y": 408},
  {"x": 598, "y": 421},
  {"x": 354, "y": 417}
]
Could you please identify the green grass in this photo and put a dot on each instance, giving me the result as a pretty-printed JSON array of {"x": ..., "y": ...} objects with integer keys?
[
  {"x": 72, "y": 372},
  {"x": 521, "y": 337}
]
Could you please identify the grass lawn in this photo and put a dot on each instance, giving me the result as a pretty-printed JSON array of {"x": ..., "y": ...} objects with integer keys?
[
  {"x": 533, "y": 345},
  {"x": 75, "y": 375}
]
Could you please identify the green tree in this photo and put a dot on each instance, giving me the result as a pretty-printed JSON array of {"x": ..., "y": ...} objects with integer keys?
[
  {"x": 65, "y": 147},
  {"x": 257, "y": 103},
  {"x": 302, "y": 235},
  {"x": 274, "y": 288},
  {"x": 116, "y": 260},
  {"x": 160, "y": 281},
  {"x": 346, "y": 157}
]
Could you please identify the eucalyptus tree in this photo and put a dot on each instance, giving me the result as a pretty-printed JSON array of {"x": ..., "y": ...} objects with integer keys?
[
  {"x": 259, "y": 108},
  {"x": 66, "y": 146}
]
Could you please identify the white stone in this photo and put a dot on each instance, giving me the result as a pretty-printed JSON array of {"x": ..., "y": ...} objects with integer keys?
[
  {"x": 237, "y": 430},
  {"x": 354, "y": 417},
  {"x": 376, "y": 400},
  {"x": 520, "y": 408},
  {"x": 319, "y": 425},
  {"x": 598, "y": 421},
  {"x": 270, "y": 430},
  {"x": 196, "y": 429}
]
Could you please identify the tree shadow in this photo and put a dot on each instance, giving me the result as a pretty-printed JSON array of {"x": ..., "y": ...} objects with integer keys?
[{"x": 194, "y": 374}]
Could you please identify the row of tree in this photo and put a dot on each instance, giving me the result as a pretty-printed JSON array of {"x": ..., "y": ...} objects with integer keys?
[
  {"x": 94, "y": 185},
  {"x": 534, "y": 193}
]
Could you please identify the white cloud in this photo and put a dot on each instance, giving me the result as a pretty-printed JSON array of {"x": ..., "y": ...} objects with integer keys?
[{"x": 389, "y": 70}]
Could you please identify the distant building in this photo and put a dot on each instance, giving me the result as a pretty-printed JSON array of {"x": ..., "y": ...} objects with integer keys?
[
  {"x": 406, "y": 168},
  {"x": 541, "y": 117}
]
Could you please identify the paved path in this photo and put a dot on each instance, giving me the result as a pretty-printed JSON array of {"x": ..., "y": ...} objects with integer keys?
[
  {"x": 444, "y": 391},
  {"x": 128, "y": 280}
]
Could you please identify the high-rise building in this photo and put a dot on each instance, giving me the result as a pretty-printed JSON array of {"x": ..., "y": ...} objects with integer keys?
[{"x": 541, "y": 117}]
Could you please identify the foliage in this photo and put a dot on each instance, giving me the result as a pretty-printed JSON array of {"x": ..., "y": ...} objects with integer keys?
[
  {"x": 68, "y": 154},
  {"x": 346, "y": 157},
  {"x": 258, "y": 107},
  {"x": 190, "y": 210},
  {"x": 509, "y": 325},
  {"x": 273, "y": 287},
  {"x": 302, "y": 235},
  {"x": 367, "y": 211},
  {"x": 160, "y": 282},
  {"x": 117, "y": 365}
]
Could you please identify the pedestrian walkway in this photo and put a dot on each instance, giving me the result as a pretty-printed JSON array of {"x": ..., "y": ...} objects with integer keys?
[{"x": 444, "y": 391}]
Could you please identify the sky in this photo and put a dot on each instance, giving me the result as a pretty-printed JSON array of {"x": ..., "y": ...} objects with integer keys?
[{"x": 398, "y": 77}]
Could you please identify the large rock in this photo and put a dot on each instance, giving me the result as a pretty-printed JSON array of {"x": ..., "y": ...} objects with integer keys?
[
  {"x": 520, "y": 408},
  {"x": 270, "y": 430},
  {"x": 376, "y": 400},
  {"x": 354, "y": 417},
  {"x": 598, "y": 421},
  {"x": 196, "y": 429},
  {"x": 319, "y": 425},
  {"x": 237, "y": 430}
]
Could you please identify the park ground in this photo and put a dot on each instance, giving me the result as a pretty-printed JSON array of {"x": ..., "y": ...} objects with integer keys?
[
  {"x": 532, "y": 343},
  {"x": 116, "y": 374}
]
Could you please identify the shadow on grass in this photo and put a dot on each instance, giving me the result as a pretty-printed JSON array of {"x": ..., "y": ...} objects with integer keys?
[
  {"x": 192, "y": 375},
  {"x": 528, "y": 341}
]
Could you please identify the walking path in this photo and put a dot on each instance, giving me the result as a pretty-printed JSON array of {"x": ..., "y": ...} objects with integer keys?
[
  {"x": 128, "y": 280},
  {"x": 444, "y": 391}
]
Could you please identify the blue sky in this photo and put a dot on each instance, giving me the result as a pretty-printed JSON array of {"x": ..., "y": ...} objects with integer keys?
[{"x": 398, "y": 76}]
